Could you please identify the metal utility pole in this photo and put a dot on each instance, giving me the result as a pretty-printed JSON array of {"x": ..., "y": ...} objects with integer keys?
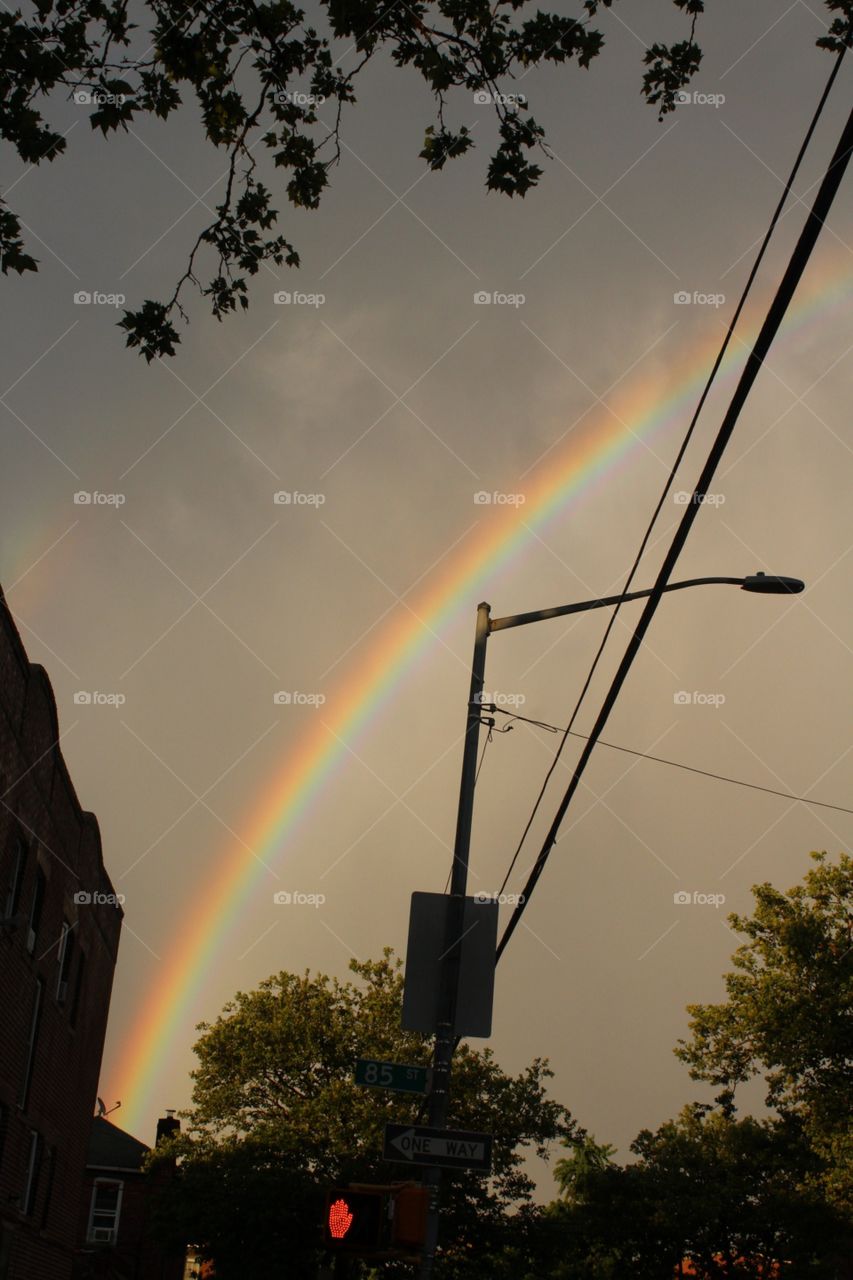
[
  {"x": 445, "y": 1024},
  {"x": 449, "y": 978}
]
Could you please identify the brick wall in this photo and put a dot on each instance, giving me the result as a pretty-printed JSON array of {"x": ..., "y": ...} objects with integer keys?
[
  {"x": 135, "y": 1254},
  {"x": 40, "y": 813}
]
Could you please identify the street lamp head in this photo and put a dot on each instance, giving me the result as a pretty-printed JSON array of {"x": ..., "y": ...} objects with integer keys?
[{"x": 773, "y": 585}]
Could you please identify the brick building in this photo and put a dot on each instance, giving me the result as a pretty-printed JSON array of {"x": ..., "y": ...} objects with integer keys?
[
  {"x": 115, "y": 1218},
  {"x": 59, "y": 935}
]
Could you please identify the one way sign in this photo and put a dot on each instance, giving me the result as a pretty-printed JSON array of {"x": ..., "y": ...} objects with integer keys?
[{"x": 450, "y": 1148}]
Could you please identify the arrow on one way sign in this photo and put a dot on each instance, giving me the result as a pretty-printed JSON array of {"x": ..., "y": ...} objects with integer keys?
[{"x": 451, "y": 1148}]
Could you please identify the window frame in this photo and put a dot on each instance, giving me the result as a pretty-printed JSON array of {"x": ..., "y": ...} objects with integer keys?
[
  {"x": 36, "y": 909},
  {"x": 31, "y": 1181},
  {"x": 91, "y": 1238},
  {"x": 64, "y": 954},
  {"x": 15, "y": 882},
  {"x": 32, "y": 1040}
]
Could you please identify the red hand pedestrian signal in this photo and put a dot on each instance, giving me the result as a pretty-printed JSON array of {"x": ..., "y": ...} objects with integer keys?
[
  {"x": 356, "y": 1219},
  {"x": 340, "y": 1219}
]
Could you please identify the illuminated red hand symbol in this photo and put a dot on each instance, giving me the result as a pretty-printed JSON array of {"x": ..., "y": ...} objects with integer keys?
[{"x": 340, "y": 1219}]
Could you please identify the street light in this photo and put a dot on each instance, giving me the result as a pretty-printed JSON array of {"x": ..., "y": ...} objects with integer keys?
[{"x": 760, "y": 583}]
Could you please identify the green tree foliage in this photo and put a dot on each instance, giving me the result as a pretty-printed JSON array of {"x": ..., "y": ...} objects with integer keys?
[
  {"x": 277, "y": 1119},
  {"x": 256, "y": 74},
  {"x": 738, "y": 1197},
  {"x": 788, "y": 1015},
  {"x": 577, "y": 1172},
  {"x": 730, "y": 1197}
]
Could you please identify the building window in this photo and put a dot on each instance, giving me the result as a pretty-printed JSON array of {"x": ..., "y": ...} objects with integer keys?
[
  {"x": 16, "y": 878},
  {"x": 31, "y": 1043},
  {"x": 28, "y": 1199},
  {"x": 105, "y": 1211},
  {"x": 64, "y": 956},
  {"x": 36, "y": 909},
  {"x": 78, "y": 987}
]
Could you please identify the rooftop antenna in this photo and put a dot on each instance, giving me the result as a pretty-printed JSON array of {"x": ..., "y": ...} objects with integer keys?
[{"x": 102, "y": 1109}]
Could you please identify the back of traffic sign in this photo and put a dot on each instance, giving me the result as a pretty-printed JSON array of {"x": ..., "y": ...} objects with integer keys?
[{"x": 428, "y": 944}]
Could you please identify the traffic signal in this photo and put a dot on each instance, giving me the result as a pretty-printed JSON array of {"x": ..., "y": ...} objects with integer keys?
[
  {"x": 408, "y": 1225},
  {"x": 382, "y": 1221},
  {"x": 356, "y": 1221}
]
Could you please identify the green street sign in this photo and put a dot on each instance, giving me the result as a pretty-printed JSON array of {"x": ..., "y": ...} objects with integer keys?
[{"x": 391, "y": 1075}]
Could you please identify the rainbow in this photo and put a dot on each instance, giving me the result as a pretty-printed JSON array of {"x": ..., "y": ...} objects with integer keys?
[{"x": 569, "y": 473}]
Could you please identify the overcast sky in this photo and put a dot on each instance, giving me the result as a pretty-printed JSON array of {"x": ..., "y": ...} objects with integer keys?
[{"x": 396, "y": 400}]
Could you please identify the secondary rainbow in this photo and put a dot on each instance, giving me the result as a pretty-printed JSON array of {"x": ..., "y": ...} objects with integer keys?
[{"x": 596, "y": 445}]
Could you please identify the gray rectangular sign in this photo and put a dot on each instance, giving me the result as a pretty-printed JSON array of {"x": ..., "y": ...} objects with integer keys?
[{"x": 428, "y": 943}]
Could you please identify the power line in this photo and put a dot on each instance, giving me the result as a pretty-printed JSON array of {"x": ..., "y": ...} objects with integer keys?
[
  {"x": 679, "y": 457},
  {"x": 793, "y": 273},
  {"x": 676, "y": 764}
]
